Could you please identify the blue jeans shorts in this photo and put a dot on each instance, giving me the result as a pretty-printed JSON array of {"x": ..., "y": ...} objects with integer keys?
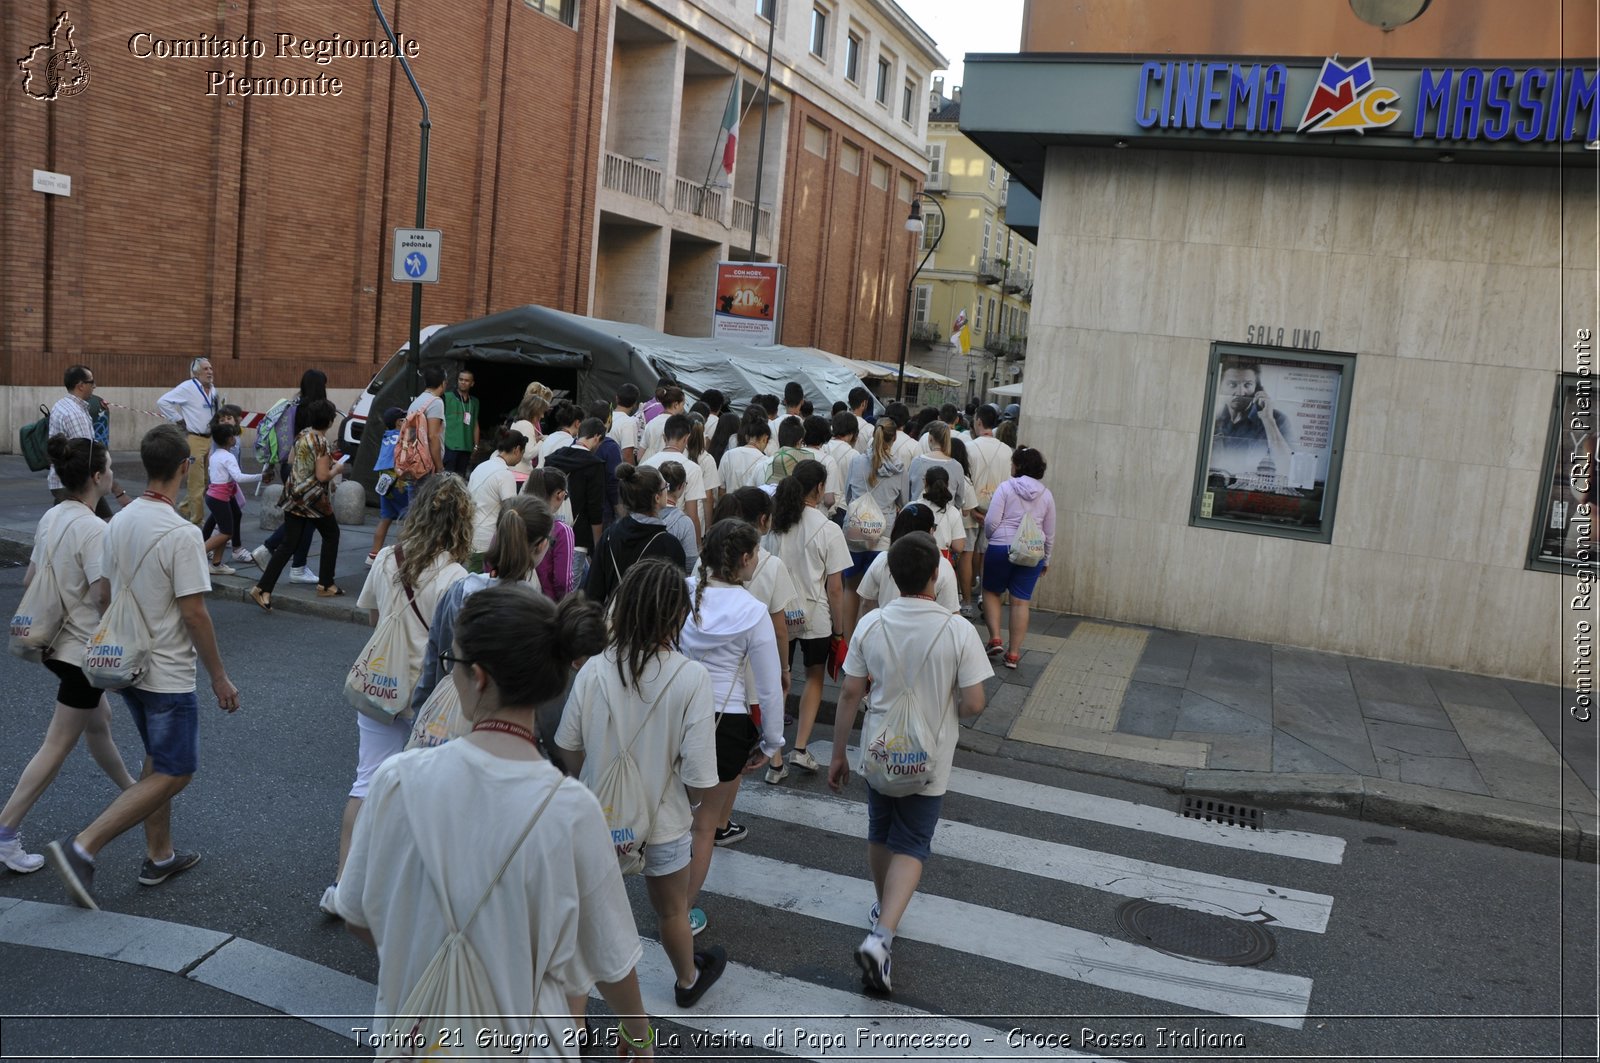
[
  {"x": 1000, "y": 576},
  {"x": 393, "y": 505},
  {"x": 904, "y": 824},
  {"x": 860, "y": 561},
  {"x": 169, "y": 726}
]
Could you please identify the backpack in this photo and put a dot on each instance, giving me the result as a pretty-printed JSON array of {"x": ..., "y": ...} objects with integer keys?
[
  {"x": 455, "y": 985},
  {"x": 896, "y": 749},
  {"x": 118, "y": 653},
  {"x": 783, "y": 463},
  {"x": 629, "y": 814},
  {"x": 35, "y": 442},
  {"x": 383, "y": 676},
  {"x": 864, "y": 522},
  {"x": 1027, "y": 549},
  {"x": 268, "y": 447},
  {"x": 439, "y": 720},
  {"x": 413, "y": 455},
  {"x": 40, "y": 615}
]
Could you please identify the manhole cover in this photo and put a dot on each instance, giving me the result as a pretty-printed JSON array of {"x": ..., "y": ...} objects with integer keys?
[{"x": 1196, "y": 935}]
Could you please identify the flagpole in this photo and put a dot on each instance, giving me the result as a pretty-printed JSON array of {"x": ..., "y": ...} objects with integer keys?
[{"x": 761, "y": 142}]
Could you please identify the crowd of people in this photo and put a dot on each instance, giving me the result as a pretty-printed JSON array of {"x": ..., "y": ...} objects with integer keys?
[{"x": 595, "y": 624}]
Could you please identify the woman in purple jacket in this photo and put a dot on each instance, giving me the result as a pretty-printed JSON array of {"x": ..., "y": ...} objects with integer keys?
[{"x": 1017, "y": 497}]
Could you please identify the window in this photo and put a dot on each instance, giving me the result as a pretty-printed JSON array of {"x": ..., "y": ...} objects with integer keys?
[
  {"x": 907, "y": 188},
  {"x": 880, "y": 174},
  {"x": 852, "y": 58},
  {"x": 932, "y": 228},
  {"x": 819, "y": 33},
  {"x": 1276, "y": 475},
  {"x": 994, "y": 320},
  {"x": 993, "y": 171},
  {"x": 849, "y": 158},
  {"x": 1024, "y": 331},
  {"x": 881, "y": 93},
  {"x": 816, "y": 139},
  {"x": 563, "y": 11},
  {"x": 1563, "y": 527},
  {"x": 935, "y": 162},
  {"x": 988, "y": 233},
  {"x": 1030, "y": 261},
  {"x": 767, "y": 9},
  {"x": 977, "y": 325},
  {"x": 908, "y": 96},
  {"x": 919, "y": 313}
]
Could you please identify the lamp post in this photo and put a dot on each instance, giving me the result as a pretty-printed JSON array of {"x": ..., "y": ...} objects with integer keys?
[
  {"x": 914, "y": 225},
  {"x": 422, "y": 197}
]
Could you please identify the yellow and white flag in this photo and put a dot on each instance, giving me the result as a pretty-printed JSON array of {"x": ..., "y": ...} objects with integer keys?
[{"x": 962, "y": 337}]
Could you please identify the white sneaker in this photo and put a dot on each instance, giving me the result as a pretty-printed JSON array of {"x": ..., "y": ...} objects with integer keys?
[
  {"x": 778, "y": 774},
  {"x": 223, "y": 570},
  {"x": 244, "y": 557},
  {"x": 326, "y": 904},
  {"x": 802, "y": 758},
  {"x": 262, "y": 557},
  {"x": 13, "y": 856},
  {"x": 302, "y": 575},
  {"x": 872, "y": 956}
]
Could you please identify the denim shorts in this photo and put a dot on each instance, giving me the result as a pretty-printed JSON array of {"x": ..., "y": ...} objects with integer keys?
[
  {"x": 860, "y": 561},
  {"x": 666, "y": 858},
  {"x": 169, "y": 726},
  {"x": 904, "y": 824},
  {"x": 1000, "y": 576},
  {"x": 393, "y": 505}
]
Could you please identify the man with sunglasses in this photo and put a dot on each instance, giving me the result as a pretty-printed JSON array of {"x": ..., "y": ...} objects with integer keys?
[{"x": 71, "y": 417}]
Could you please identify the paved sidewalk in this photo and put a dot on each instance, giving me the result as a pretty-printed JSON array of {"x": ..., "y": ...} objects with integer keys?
[{"x": 1460, "y": 754}]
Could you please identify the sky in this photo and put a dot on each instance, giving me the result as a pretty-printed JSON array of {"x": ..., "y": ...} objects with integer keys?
[{"x": 962, "y": 26}]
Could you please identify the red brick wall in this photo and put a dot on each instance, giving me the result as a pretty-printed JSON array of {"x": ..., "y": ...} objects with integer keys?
[
  {"x": 844, "y": 243},
  {"x": 256, "y": 231}
]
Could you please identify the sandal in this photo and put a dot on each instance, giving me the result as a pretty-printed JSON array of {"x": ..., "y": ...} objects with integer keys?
[
  {"x": 995, "y": 648},
  {"x": 1013, "y": 659},
  {"x": 330, "y": 591},
  {"x": 261, "y": 598}
]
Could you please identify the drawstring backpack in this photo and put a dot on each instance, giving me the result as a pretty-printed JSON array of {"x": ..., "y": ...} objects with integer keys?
[
  {"x": 864, "y": 522},
  {"x": 118, "y": 653},
  {"x": 383, "y": 676},
  {"x": 896, "y": 750},
  {"x": 1027, "y": 549},
  {"x": 620, "y": 790},
  {"x": 41, "y": 615}
]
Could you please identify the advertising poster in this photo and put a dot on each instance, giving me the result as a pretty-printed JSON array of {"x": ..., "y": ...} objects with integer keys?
[
  {"x": 1565, "y": 524},
  {"x": 1270, "y": 443},
  {"x": 749, "y": 303}
]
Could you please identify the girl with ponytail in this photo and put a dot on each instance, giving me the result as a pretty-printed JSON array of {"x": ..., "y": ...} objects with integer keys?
[
  {"x": 730, "y": 631},
  {"x": 640, "y": 534},
  {"x": 68, "y": 540},
  {"x": 813, "y": 549},
  {"x": 491, "y": 485},
  {"x": 643, "y": 696},
  {"x": 513, "y": 651},
  {"x": 556, "y": 575},
  {"x": 948, "y": 530}
]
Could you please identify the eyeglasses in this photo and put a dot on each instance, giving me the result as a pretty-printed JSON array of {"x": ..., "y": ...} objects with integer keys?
[{"x": 448, "y": 661}]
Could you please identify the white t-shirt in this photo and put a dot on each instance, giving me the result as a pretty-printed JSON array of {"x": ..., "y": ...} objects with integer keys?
[
  {"x": 625, "y": 430},
  {"x": 918, "y": 470},
  {"x": 991, "y": 466},
  {"x": 72, "y": 538},
  {"x": 772, "y": 585},
  {"x": 813, "y": 550},
  {"x": 740, "y": 466},
  {"x": 711, "y": 425},
  {"x": 552, "y": 443},
  {"x": 560, "y": 909},
  {"x": 840, "y": 454},
  {"x": 492, "y": 483},
  {"x": 915, "y": 642},
  {"x": 834, "y": 484},
  {"x": 531, "y": 451},
  {"x": 864, "y": 430},
  {"x": 694, "y": 485},
  {"x": 654, "y": 438},
  {"x": 174, "y": 567},
  {"x": 947, "y": 523},
  {"x": 223, "y": 467},
  {"x": 671, "y": 714},
  {"x": 879, "y": 586},
  {"x": 382, "y": 591},
  {"x": 904, "y": 449},
  {"x": 710, "y": 475}
]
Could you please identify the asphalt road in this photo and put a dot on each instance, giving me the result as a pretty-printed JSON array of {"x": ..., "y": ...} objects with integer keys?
[{"x": 1433, "y": 948}]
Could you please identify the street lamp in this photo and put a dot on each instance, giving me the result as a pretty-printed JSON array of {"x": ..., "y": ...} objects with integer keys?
[{"x": 914, "y": 225}]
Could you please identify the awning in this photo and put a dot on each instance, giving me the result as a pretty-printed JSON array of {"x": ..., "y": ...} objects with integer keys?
[
  {"x": 1010, "y": 391},
  {"x": 869, "y": 370}
]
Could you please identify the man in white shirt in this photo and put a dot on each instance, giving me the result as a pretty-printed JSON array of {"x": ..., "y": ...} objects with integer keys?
[
  {"x": 191, "y": 406},
  {"x": 860, "y": 403},
  {"x": 70, "y": 417},
  {"x": 991, "y": 466},
  {"x": 910, "y": 646},
  {"x": 841, "y": 450},
  {"x": 675, "y": 441},
  {"x": 904, "y": 449},
  {"x": 565, "y": 419},
  {"x": 655, "y": 432},
  {"x": 151, "y": 553},
  {"x": 625, "y": 423}
]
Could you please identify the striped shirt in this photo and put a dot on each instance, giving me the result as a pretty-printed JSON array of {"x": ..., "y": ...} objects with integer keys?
[{"x": 68, "y": 417}]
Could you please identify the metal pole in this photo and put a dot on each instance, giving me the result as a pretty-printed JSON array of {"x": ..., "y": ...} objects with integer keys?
[
  {"x": 422, "y": 196},
  {"x": 905, "y": 319},
  {"x": 761, "y": 141}
]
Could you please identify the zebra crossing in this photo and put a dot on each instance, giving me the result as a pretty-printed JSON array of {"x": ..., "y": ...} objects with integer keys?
[{"x": 825, "y": 1022}]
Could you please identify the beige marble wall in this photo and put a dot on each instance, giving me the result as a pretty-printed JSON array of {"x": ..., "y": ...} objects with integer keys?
[{"x": 1456, "y": 287}]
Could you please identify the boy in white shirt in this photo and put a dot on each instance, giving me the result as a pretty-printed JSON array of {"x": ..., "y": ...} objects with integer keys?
[{"x": 911, "y": 642}]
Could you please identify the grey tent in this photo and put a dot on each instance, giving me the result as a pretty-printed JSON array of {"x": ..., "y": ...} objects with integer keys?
[{"x": 589, "y": 359}]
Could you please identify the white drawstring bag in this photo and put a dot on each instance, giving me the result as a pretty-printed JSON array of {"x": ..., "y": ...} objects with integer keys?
[
  {"x": 630, "y": 814},
  {"x": 118, "y": 653},
  {"x": 440, "y": 719},
  {"x": 455, "y": 990},
  {"x": 384, "y": 675},
  {"x": 40, "y": 615},
  {"x": 1027, "y": 549},
  {"x": 897, "y": 749},
  {"x": 864, "y": 523}
]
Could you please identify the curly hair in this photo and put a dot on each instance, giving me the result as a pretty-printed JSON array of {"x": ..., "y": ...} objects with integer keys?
[
  {"x": 647, "y": 615},
  {"x": 439, "y": 522},
  {"x": 725, "y": 546}
]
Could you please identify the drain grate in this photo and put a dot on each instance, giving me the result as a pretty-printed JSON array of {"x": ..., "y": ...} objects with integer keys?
[
  {"x": 1230, "y": 813},
  {"x": 1196, "y": 935}
]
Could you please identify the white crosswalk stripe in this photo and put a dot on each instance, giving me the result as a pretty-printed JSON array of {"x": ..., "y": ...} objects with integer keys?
[
  {"x": 1127, "y": 814},
  {"x": 1219, "y": 895}
]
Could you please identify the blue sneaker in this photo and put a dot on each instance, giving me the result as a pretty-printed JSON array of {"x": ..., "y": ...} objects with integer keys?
[{"x": 697, "y": 922}]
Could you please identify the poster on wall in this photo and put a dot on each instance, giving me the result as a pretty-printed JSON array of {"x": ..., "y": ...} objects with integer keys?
[
  {"x": 1563, "y": 529},
  {"x": 1269, "y": 450},
  {"x": 749, "y": 303}
]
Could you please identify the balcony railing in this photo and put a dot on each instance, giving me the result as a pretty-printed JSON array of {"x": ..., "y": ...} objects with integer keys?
[
  {"x": 697, "y": 199},
  {"x": 1014, "y": 346},
  {"x": 1027, "y": 293},
  {"x": 1016, "y": 281},
  {"x": 741, "y": 218},
  {"x": 631, "y": 177},
  {"x": 990, "y": 270},
  {"x": 926, "y": 333}
]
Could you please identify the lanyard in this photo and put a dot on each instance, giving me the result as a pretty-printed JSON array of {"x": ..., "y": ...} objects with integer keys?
[{"x": 207, "y": 399}]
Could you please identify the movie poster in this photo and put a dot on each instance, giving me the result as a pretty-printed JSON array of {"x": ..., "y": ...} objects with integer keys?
[{"x": 749, "y": 303}]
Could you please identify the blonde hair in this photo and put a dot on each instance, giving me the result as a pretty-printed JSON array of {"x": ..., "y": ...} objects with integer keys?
[
  {"x": 939, "y": 433},
  {"x": 439, "y": 522},
  {"x": 882, "y": 449},
  {"x": 536, "y": 399}
]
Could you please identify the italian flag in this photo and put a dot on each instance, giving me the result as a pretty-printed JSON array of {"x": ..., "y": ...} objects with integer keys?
[{"x": 730, "y": 129}]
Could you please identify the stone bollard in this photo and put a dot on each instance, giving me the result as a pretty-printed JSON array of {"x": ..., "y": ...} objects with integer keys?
[
  {"x": 271, "y": 515},
  {"x": 350, "y": 504}
]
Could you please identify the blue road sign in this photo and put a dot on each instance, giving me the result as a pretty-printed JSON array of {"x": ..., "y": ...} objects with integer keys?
[{"x": 416, "y": 264}]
